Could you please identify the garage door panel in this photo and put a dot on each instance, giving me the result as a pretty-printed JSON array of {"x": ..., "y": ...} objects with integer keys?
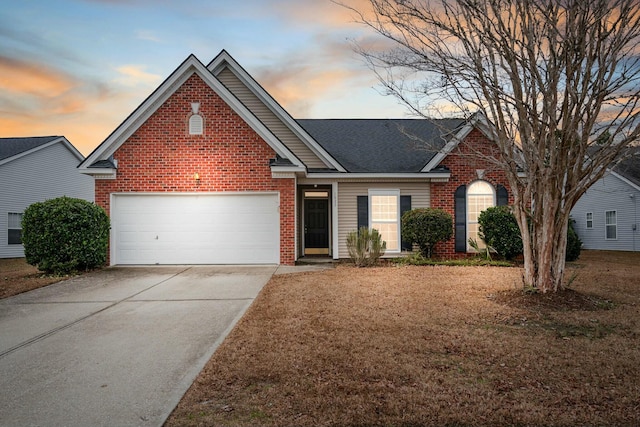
[{"x": 203, "y": 229}]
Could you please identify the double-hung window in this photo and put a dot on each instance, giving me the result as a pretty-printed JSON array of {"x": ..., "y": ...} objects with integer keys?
[
  {"x": 14, "y": 228},
  {"x": 589, "y": 220},
  {"x": 611, "y": 225},
  {"x": 384, "y": 216}
]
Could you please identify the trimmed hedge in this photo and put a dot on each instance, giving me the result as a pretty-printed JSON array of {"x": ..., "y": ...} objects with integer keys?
[
  {"x": 499, "y": 229},
  {"x": 64, "y": 235},
  {"x": 426, "y": 227}
]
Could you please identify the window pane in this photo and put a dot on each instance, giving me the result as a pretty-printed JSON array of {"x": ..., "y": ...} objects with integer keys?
[
  {"x": 15, "y": 220},
  {"x": 589, "y": 219},
  {"x": 389, "y": 233},
  {"x": 384, "y": 208},
  {"x": 611, "y": 227},
  {"x": 15, "y": 237}
]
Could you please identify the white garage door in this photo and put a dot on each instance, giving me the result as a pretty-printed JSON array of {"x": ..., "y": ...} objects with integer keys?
[{"x": 195, "y": 229}]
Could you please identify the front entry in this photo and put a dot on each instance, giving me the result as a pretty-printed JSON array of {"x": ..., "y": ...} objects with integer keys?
[{"x": 316, "y": 226}]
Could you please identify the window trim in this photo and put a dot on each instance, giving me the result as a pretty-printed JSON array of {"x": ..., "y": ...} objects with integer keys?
[
  {"x": 467, "y": 195},
  {"x": 9, "y": 227},
  {"x": 607, "y": 225},
  {"x": 589, "y": 220},
  {"x": 387, "y": 192}
]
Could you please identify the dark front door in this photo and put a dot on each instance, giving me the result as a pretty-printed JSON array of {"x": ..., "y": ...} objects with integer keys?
[{"x": 316, "y": 226}]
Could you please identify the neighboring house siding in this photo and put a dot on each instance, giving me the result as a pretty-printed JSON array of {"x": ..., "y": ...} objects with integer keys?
[
  {"x": 609, "y": 194},
  {"x": 464, "y": 163},
  {"x": 257, "y": 107},
  {"x": 348, "y": 193},
  {"x": 161, "y": 156},
  {"x": 44, "y": 174}
]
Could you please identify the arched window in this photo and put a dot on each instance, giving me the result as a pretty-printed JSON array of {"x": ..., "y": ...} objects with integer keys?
[{"x": 480, "y": 196}]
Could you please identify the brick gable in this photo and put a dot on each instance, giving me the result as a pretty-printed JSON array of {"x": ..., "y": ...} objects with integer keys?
[
  {"x": 463, "y": 163},
  {"x": 161, "y": 156}
]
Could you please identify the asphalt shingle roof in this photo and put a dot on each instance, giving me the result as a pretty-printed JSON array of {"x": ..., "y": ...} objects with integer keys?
[
  {"x": 10, "y": 147},
  {"x": 630, "y": 168},
  {"x": 382, "y": 145}
]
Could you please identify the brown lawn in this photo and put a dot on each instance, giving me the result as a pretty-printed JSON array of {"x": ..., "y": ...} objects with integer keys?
[
  {"x": 433, "y": 346},
  {"x": 16, "y": 276}
]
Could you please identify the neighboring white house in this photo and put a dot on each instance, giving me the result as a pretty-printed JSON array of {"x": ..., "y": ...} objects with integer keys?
[
  {"x": 33, "y": 170},
  {"x": 606, "y": 216}
]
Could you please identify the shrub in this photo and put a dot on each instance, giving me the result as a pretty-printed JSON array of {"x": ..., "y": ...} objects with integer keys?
[
  {"x": 499, "y": 230},
  {"x": 365, "y": 246},
  {"x": 574, "y": 244},
  {"x": 64, "y": 235},
  {"x": 426, "y": 227}
]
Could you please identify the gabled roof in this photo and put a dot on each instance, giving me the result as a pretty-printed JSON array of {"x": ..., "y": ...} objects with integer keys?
[
  {"x": 629, "y": 168},
  {"x": 224, "y": 60},
  {"x": 383, "y": 145},
  {"x": 14, "y": 148},
  {"x": 96, "y": 161}
]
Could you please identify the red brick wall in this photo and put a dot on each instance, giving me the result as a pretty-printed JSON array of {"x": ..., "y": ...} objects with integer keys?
[
  {"x": 161, "y": 156},
  {"x": 463, "y": 165}
]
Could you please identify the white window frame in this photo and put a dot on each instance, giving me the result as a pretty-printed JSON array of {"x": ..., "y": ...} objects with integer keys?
[
  {"x": 11, "y": 226},
  {"x": 392, "y": 192},
  {"x": 480, "y": 242},
  {"x": 607, "y": 225},
  {"x": 589, "y": 220}
]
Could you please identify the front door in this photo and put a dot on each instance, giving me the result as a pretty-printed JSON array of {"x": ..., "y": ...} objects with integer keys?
[{"x": 316, "y": 226}]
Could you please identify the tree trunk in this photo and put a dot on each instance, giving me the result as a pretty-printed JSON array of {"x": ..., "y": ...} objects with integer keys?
[{"x": 544, "y": 246}]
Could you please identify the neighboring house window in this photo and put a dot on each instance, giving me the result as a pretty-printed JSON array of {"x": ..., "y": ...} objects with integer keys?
[
  {"x": 589, "y": 220},
  {"x": 611, "y": 225},
  {"x": 384, "y": 216},
  {"x": 15, "y": 229},
  {"x": 480, "y": 196}
]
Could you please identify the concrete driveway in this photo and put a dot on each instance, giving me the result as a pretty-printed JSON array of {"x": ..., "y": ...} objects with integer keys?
[{"x": 117, "y": 347}]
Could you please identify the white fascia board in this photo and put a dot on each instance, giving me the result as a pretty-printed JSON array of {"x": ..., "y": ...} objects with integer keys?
[
  {"x": 411, "y": 175},
  {"x": 98, "y": 171},
  {"x": 163, "y": 92},
  {"x": 293, "y": 168},
  {"x": 623, "y": 179},
  {"x": 61, "y": 139},
  {"x": 224, "y": 59},
  {"x": 449, "y": 146},
  {"x": 478, "y": 120}
]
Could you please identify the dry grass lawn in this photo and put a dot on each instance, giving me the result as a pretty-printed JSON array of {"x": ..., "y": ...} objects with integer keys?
[
  {"x": 16, "y": 276},
  {"x": 429, "y": 346}
]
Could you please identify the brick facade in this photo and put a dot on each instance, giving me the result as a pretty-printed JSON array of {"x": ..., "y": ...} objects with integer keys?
[
  {"x": 161, "y": 156},
  {"x": 463, "y": 163}
]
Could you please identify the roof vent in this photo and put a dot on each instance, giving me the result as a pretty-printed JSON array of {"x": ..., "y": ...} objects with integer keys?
[{"x": 196, "y": 122}]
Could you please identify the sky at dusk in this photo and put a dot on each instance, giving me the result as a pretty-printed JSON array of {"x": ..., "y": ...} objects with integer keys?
[{"x": 78, "y": 68}]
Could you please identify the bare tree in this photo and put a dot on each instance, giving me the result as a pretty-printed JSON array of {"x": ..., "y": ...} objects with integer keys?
[{"x": 559, "y": 81}]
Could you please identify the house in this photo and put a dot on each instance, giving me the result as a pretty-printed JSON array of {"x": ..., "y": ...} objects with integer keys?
[
  {"x": 210, "y": 169},
  {"x": 32, "y": 170},
  {"x": 606, "y": 216}
]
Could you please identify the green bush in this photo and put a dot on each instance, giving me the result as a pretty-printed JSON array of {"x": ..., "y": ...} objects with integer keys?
[
  {"x": 499, "y": 230},
  {"x": 426, "y": 227},
  {"x": 365, "y": 246},
  {"x": 574, "y": 244},
  {"x": 64, "y": 235}
]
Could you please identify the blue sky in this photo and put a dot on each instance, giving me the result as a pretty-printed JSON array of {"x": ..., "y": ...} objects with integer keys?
[{"x": 78, "y": 68}]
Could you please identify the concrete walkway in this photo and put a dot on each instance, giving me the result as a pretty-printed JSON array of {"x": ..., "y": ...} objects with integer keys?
[{"x": 117, "y": 347}]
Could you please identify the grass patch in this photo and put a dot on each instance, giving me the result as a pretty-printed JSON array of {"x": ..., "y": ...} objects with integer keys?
[{"x": 414, "y": 346}]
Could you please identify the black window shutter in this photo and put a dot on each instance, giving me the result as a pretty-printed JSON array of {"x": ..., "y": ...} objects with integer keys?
[
  {"x": 405, "y": 205},
  {"x": 461, "y": 218},
  {"x": 363, "y": 212},
  {"x": 503, "y": 195}
]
